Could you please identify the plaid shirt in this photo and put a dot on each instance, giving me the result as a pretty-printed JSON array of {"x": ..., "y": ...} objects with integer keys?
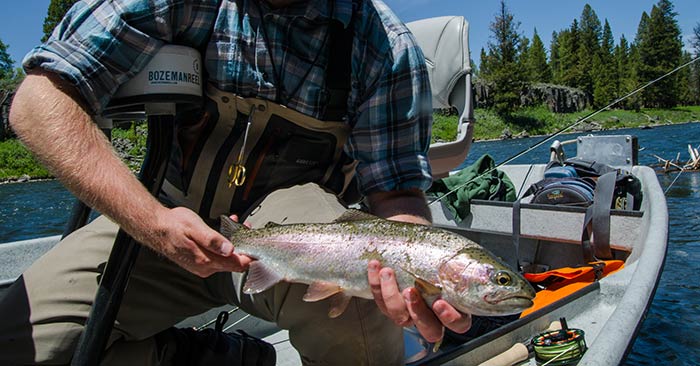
[{"x": 101, "y": 44}]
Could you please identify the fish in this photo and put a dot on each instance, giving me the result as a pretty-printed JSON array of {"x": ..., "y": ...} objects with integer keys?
[{"x": 332, "y": 259}]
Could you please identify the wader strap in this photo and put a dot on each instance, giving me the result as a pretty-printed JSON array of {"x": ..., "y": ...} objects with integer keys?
[
  {"x": 338, "y": 71},
  {"x": 516, "y": 231}
]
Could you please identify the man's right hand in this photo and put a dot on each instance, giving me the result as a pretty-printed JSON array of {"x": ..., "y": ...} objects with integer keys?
[{"x": 182, "y": 236}]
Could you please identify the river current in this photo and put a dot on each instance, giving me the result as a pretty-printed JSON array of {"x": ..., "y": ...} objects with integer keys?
[{"x": 670, "y": 335}]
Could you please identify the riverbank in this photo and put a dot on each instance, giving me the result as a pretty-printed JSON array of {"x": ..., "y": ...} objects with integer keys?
[
  {"x": 18, "y": 164},
  {"x": 537, "y": 121}
]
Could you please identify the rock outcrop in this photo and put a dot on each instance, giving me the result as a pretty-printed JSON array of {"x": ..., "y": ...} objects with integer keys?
[{"x": 557, "y": 98}]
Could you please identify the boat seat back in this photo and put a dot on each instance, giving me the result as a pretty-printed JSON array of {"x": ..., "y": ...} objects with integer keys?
[{"x": 445, "y": 45}]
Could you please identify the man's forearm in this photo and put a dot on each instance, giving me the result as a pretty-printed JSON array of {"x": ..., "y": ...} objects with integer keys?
[
  {"x": 407, "y": 206},
  {"x": 46, "y": 116}
]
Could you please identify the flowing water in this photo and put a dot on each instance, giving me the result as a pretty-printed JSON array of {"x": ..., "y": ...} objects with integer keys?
[{"x": 670, "y": 335}]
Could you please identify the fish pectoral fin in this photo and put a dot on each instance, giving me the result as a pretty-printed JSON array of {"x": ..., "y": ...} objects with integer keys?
[
  {"x": 229, "y": 227},
  {"x": 428, "y": 291},
  {"x": 260, "y": 278},
  {"x": 355, "y": 215},
  {"x": 319, "y": 290},
  {"x": 339, "y": 302}
]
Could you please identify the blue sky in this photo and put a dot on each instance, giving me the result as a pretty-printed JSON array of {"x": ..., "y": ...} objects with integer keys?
[{"x": 21, "y": 21}]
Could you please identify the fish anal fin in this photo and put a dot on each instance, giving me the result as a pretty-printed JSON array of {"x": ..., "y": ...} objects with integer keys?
[
  {"x": 355, "y": 215},
  {"x": 338, "y": 303},
  {"x": 260, "y": 278},
  {"x": 321, "y": 290}
]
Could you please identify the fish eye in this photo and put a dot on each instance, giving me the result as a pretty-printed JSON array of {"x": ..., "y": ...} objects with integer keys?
[{"x": 503, "y": 278}]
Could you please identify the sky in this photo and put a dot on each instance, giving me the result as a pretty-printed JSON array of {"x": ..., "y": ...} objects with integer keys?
[{"x": 21, "y": 21}]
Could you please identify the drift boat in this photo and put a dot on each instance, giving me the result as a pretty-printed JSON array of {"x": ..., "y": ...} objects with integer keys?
[{"x": 608, "y": 309}]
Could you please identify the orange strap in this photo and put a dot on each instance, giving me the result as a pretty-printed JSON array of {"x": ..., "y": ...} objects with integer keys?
[{"x": 565, "y": 281}]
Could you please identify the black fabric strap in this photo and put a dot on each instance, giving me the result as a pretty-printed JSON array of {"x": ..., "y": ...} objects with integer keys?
[
  {"x": 596, "y": 222},
  {"x": 516, "y": 231},
  {"x": 338, "y": 71}
]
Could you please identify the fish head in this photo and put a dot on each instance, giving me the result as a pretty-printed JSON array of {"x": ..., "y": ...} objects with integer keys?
[{"x": 474, "y": 281}]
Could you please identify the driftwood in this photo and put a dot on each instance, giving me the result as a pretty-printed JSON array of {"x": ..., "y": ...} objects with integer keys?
[{"x": 671, "y": 165}]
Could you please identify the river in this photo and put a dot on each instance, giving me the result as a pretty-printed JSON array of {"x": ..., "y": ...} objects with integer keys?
[{"x": 670, "y": 335}]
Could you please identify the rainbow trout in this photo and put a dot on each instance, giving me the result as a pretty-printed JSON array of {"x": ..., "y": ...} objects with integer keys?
[{"x": 332, "y": 259}]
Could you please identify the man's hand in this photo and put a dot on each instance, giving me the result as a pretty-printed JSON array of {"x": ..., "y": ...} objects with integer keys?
[
  {"x": 185, "y": 239},
  {"x": 407, "y": 308}
]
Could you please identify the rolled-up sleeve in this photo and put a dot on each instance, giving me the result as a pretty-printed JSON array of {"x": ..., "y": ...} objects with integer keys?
[
  {"x": 391, "y": 134},
  {"x": 100, "y": 44}
]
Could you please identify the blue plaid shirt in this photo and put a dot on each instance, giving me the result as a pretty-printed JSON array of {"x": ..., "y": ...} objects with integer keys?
[{"x": 101, "y": 44}]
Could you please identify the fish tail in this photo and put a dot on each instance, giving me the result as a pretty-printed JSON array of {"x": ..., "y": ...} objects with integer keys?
[{"x": 229, "y": 227}]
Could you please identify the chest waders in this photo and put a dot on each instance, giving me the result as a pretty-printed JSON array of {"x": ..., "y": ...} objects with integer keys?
[
  {"x": 278, "y": 155},
  {"x": 254, "y": 147}
]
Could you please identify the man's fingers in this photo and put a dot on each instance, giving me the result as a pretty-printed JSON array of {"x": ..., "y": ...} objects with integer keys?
[
  {"x": 428, "y": 325},
  {"x": 451, "y": 318},
  {"x": 375, "y": 284},
  {"x": 395, "y": 304},
  {"x": 215, "y": 243}
]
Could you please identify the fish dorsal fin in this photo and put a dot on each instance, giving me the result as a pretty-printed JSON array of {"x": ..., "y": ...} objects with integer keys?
[
  {"x": 320, "y": 290},
  {"x": 271, "y": 225},
  {"x": 338, "y": 303},
  {"x": 230, "y": 227},
  {"x": 355, "y": 215},
  {"x": 260, "y": 278}
]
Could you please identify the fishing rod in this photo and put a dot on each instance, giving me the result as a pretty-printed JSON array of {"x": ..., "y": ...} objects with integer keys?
[
  {"x": 674, "y": 181},
  {"x": 566, "y": 128}
]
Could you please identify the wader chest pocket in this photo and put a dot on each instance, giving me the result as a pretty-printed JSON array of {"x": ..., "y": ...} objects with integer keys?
[{"x": 287, "y": 154}]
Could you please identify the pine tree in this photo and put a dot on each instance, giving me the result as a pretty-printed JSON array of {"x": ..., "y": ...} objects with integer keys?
[
  {"x": 484, "y": 65},
  {"x": 554, "y": 59},
  {"x": 537, "y": 61},
  {"x": 57, "y": 10},
  {"x": 6, "y": 63},
  {"x": 568, "y": 72},
  {"x": 684, "y": 79},
  {"x": 523, "y": 58},
  {"x": 695, "y": 67},
  {"x": 627, "y": 79},
  {"x": 589, "y": 38},
  {"x": 505, "y": 71},
  {"x": 605, "y": 74},
  {"x": 660, "y": 50}
]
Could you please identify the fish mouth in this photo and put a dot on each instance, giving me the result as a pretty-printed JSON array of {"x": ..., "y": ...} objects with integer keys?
[{"x": 515, "y": 300}]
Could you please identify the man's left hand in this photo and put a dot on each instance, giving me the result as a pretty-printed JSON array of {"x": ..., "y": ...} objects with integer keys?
[{"x": 407, "y": 307}]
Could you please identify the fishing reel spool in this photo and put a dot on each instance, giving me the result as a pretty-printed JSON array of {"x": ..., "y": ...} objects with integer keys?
[{"x": 561, "y": 347}]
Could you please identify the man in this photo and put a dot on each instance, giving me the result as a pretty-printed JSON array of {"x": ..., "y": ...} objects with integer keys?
[{"x": 270, "y": 62}]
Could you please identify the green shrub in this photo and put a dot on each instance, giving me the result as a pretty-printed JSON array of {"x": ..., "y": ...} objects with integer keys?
[{"x": 16, "y": 161}]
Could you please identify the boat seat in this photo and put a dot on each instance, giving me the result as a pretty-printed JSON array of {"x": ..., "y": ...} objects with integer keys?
[{"x": 445, "y": 45}]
